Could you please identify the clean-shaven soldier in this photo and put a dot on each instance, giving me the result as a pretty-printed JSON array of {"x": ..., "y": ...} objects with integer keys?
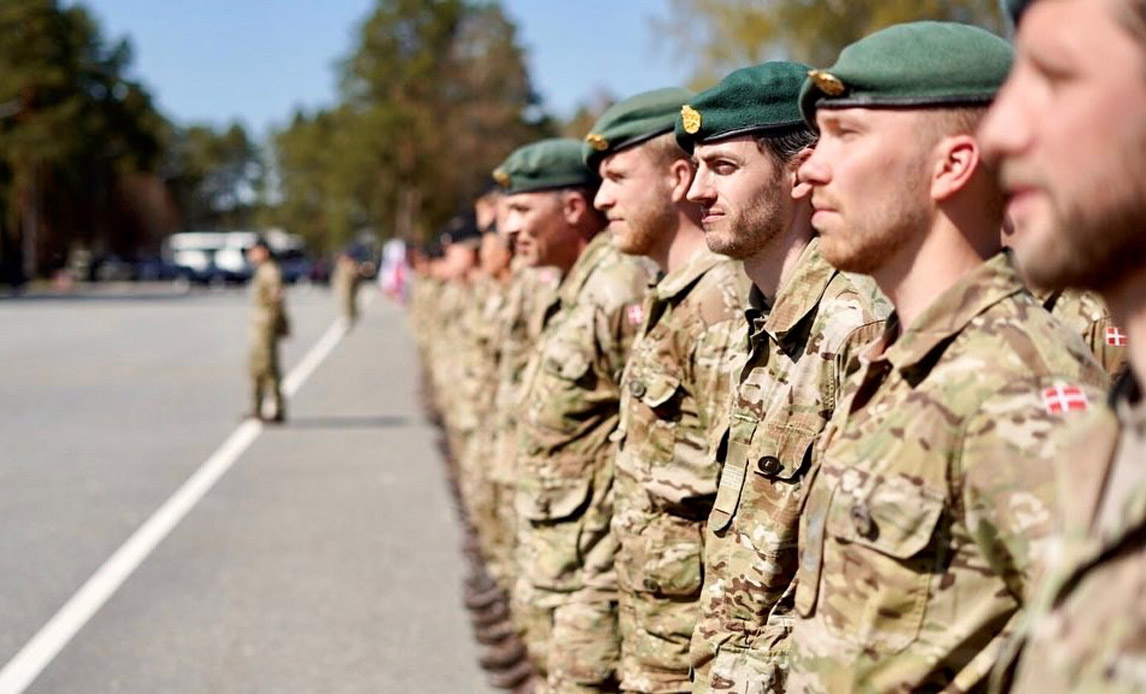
[
  {"x": 1068, "y": 129},
  {"x": 568, "y": 411},
  {"x": 926, "y": 522},
  {"x": 802, "y": 320},
  {"x": 675, "y": 387}
]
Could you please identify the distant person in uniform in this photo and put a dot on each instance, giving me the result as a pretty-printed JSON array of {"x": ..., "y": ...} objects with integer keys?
[
  {"x": 268, "y": 325},
  {"x": 346, "y": 276}
]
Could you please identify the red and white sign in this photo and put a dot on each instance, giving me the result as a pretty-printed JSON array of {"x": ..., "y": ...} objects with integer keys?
[
  {"x": 1115, "y": 337},
  {"x": 1061, "y": 399},
  {"x": 635, "y": 314}
]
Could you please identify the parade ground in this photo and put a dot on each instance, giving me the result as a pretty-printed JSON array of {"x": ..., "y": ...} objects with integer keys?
[{"x": 155, "y": 542}]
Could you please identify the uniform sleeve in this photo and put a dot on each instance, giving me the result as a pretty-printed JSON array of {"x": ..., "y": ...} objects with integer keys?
[
  {"x": 1008, "y": 489},
  {"x": 713, "y": 358},
  {"x": 616, "y": 326}
]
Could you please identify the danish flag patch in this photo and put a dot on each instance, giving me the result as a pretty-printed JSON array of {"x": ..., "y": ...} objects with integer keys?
[
  {"x": 635, "y": 314},
  {"x": 1115, "y": 337},
  {"x": 1062, "y": 399}
]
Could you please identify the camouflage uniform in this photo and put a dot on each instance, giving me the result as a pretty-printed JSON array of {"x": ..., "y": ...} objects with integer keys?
[
  {"x": 268, "y": 324},
  {"x": 346, "y": 287},
  {"x": 1088, "y": 633},
  {"x": 565, "y": 475},
  {"x": 674, "y": 390},
  {"x": 518, "y": 327},
  {"x": 928, "y": 514},
  {"x": 1086, "y": 315},
  {"x": 785, "y": 391}
]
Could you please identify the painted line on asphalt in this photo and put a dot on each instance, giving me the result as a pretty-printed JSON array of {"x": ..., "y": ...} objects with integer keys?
[{"x": 43, "y": 648}]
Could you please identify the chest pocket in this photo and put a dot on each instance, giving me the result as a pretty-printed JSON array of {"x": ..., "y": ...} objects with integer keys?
[
  {"x": 554, "y": 500},
  {"x": 779, "y": 455},
  {"x": 651, "y": 420},
  {"x": 566, "y": 372},
  {"x": 864, "y": 561}
]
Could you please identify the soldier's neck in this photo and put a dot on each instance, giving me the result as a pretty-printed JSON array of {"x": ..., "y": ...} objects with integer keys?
[
  {"x": 1127, "y": 303},
  {"x": 686, "y": 243},
  {"x": 772, "y": 266}
]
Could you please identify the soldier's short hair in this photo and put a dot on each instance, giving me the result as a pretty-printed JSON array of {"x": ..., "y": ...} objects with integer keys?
[{"x": 784, "y": 144}]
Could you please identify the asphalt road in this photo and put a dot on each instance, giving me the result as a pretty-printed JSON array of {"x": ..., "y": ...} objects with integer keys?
[{"x": 325, "y": 560}]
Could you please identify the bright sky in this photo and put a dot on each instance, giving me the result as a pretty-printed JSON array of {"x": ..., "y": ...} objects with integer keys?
[{"x": 257, "y": 60}]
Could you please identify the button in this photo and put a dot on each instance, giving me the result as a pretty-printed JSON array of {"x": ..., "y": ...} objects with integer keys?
[
  {"x": 651, "y": 585},
  {"x": 769, "y": 465},
  {"x": 861, "y": 519},
  {"x": 637, "y": 388}
]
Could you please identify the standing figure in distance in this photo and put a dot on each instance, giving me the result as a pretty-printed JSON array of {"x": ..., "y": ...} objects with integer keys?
[{"x": 268, "y": 325}]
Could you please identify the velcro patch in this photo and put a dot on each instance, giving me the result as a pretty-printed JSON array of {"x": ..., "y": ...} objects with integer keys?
[
  {"x": 1115, "y": 337},
  {"x": 1062, "y": 399}
]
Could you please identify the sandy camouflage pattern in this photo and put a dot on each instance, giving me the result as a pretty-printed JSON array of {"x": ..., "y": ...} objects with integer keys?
[
  {"x": 928, "y": 517},
  {"x": 785, "y": 391},
  {"x": 1088, "y": 630},
  {"x": 568, "y": 410},
  {"x": 1085, "y": 314},
  {"x": 675, "y": 386}
]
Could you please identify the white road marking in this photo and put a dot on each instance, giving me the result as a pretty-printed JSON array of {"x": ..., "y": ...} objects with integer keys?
[{"x": 43, "y": 648}]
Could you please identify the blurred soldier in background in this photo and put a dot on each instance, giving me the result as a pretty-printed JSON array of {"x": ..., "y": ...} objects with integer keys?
[
  {"x": 269, "y": 324},
  {"x": 346, "y": 277},
  {"x": 675, "y": 388}
]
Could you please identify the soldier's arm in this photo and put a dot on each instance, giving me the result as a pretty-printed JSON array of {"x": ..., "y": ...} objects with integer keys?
[
  {"x": 1006, "y": 478},
  {"x": 714, "y": 356}
]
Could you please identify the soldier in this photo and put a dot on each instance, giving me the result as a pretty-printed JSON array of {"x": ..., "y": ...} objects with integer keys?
[
  {"x": 346, "y": 276},
  {"x": 567, "y": 412},
  {"x": 1068, "y": 129},
  {"x": 675, "y": 385},
  {"x": 926, "y": 521},
  {"x": 1083, "y": 312},
  {"x": 802, "y": 320},
  {"x": 268, "y": 325}
]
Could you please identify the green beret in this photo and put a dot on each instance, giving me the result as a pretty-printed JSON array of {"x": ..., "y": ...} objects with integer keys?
[
  {"x": 633, "y": 121},
  {"x": 751, "y": 99},
  {"x": 1015, "y": 8},
  {"x": 909, "y": 65},
  {"x": 544, "y": 165}
]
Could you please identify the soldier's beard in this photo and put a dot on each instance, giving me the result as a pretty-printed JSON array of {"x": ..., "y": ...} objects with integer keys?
[
  {"x": 751, "y": 228},
  {"x": 1092, "y": 248}
]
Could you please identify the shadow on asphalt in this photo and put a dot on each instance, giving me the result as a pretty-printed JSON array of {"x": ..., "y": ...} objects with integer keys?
[{"x": 381, "y": 422}]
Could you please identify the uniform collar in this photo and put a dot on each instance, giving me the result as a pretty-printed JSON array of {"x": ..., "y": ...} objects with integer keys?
[
  {"x": 682, "y": 278},
  {"x": 797, "y": 299},
  {"x": 947, "y": 316}
]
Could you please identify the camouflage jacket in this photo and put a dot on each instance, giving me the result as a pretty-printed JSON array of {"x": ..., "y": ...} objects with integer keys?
[
  {"x": 1088, "y": 628},
  {"x": 1085, "y": 313},
  {"x": 517, "y": 328},
  {"x": 932, "y": 503},
  {"x": 268, "y": 321},
  {"x": 673, "y": 393},
  {"x": 785, "y": 391},
  {"x": 568, "y": 409}
]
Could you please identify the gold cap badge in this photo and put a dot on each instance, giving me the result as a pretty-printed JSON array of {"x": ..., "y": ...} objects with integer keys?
[
  {"x": 502, "y": 178},
  {"x": 597, "y": 142},
  {"x": 826, "y": 82},
  {"x": 690, "y": 119}
]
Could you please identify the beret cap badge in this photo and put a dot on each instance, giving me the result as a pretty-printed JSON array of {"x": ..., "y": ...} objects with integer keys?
[
  {"x": 826, "y": 82},
  {"x": 597, "y": 142},
  {"x": 690, "y": 119},
  {"x": 501, "y": 177}
]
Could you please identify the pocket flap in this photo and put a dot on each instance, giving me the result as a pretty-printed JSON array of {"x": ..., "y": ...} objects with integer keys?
[
  {"x": 553, "y": 500},
  {"x": 779, "y": 452},
  {"x": 896, "y": 516},
  {"x": 656, "y": 388}
]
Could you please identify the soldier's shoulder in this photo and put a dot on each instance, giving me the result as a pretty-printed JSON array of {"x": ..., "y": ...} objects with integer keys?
[
  {"x": 852, "y": 312},
  {"x": 720, "y": 294},
  {"x": 617, "y": 280}
]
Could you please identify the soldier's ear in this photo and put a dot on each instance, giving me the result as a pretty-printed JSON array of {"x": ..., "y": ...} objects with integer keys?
[
  {"x": 574, "y": 206},
  {"x": 681, "y": 173},
  {"x": 801, "y": 188}
]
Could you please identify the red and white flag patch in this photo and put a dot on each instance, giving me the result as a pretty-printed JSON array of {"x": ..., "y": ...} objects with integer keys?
[
  {"x": 636, "y": 314},
  {"x": 1115, "y": 337},
  {"x": 1062, "y": 399}
]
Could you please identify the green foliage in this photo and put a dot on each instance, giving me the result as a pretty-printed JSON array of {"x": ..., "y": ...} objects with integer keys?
[
  {"x": 718, "y": 36},
  {"x": 434, "y": 95},
  {"x": 71, "y": 123},
  {"x": 215, "y": 176}
]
